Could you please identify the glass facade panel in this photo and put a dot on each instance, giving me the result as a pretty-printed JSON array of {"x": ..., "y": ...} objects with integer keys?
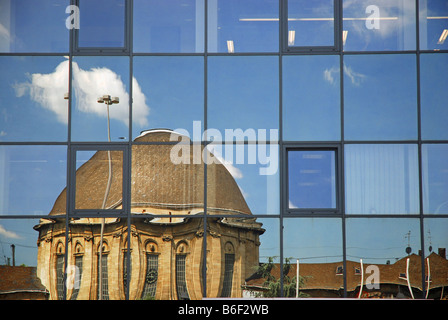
[
  {"x": 380, "y": 97},
  {"x": 313, "y": 247},
  {"x": 167, "y": 179},
  {"x": 35, "y": 173},
  {"x": 32, "y": 90},
  {"x": 94, "y": 77},
  {"x": 33, "y": 26},
  {"x": 168, "y": 26},
  {"x": 249, "y": 172},
  {"x": 247, "y": 87},
  {"x": 243, "y": 26},
  {"x": 387, "y": 254},
  {"x": 435, "y": 178},
  {"x": 436, "y": 266},
  {"x": 99, "y": 180},
  {"x": 379, "y": 25},
  {"x": 311, "y": 98},
  {"x": 433, "y": 24},
  {"x": 255, "y": 246},
  {"x": 312, "y": 179},
  {"x": 102, "y": 24},
  {"x": 311, "y": 24},
  {"x": 381, "y": 179},
  {"x": 168, "y": 92},
  {"x": 434, "y": 96}
]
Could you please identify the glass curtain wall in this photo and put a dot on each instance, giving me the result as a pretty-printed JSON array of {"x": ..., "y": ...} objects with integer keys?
[{"x": 185, "y": 149}]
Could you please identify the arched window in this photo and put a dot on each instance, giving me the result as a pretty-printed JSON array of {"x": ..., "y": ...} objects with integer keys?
[
  {"x": 152, "y": 269},
  {"x": 181, "y": 282},
  {"x": 229, "y": 262},
  {"x": 103, "y": 281},
  {"x": 60, "y": 260},
  {"x": 79, "y": 254}
]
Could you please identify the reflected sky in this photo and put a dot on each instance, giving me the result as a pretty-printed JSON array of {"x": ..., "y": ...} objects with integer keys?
[
  {"x": 33, "y": 26},
  {"x": 311, "y": 95},
  {"x": 174, "y": 92},
  {"x": 394, "y": 27},
  {"x": 380, "y": 97},
  {"x": 32, "y": 105},
  {"x": 434, "y": 96},
  {"x": 378, "y": 241},
  {"x": 103, "y": 23},
  {"x": 243, "y": 86},
  {"x": 312, "y": 240},
  {"x": 35, "y": 173}
]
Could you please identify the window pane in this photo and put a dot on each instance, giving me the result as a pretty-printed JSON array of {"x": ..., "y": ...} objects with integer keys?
[
  {"x": 385, "y": 247},
  {"x": 19, "y": 261},
  {"x": 32, "y": 93},
  {"x": 243, "y": 94},
  {"x": 381, "y": 179},
  {"x": 435, "y": 178},
  {"x": 379, "y": 25},
  {"x": 170, "y": 94},
  {"x": 380, "y": 97},
  {"x": 249, "y": 174},
  {"x": 315, "y": 246},
  {"x": 166, "y": 179},
  {"x": 33, "y": 26},
  {"x": 94, "y": 77},
  {"x": 433, "y": 24},
  {"x": 434, "y": 96},
  {"x": 311, "y": 95},
  {"x": 436, "y": 264},
  {"x": 102, "y": 23},
  {"x": 99, "y": 180},
  {"x": 247, "y": 240},
  {"x": 243, "y": 26},
  {"x": 310, "y": 23},
  {"x": 31, "y": 178},
  {"x": 311, "y": 179},
  {"x": 168, "y": 26}
]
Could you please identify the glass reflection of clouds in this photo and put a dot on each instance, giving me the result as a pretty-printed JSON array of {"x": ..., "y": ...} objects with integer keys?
[
  {"x": 32, "y": 98},
  {"x": 379, "y": 25}
]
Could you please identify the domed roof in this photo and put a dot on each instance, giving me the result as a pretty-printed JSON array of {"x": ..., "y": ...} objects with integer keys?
[{"x": 156, "y": 182}]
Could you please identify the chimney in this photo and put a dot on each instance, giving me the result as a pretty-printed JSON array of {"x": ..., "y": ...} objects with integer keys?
[
  {"x": 13, "y": 247},
  {"x": 442, "y": 252}
]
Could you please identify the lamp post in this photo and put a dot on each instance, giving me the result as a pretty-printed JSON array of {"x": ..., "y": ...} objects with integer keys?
[{"x": 108, "y": 101}]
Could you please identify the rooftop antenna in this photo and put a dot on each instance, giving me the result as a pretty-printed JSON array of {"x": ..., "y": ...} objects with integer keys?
[{"x": 408, "y": 248}]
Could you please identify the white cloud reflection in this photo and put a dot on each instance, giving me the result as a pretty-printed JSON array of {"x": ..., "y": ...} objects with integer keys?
[
  {"x": 88, "y": 85},
  {"x": 8, "y": 234}
]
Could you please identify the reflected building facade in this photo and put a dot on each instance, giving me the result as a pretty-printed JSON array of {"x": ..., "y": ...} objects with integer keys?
[{"x": 166, "y": 248}]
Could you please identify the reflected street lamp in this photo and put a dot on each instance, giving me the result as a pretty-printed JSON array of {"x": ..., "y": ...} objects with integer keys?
[{"x": 108, "y": 100}]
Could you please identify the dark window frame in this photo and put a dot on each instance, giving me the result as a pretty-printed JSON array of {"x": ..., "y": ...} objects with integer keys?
[
  {"x": 106, "y": 50},
  {"x": 336, "y": 47},
  {"x": 324, "y": 212}
]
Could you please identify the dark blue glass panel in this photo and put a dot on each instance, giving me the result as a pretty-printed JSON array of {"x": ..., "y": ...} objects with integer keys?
[
  {"x": 312, "y": 179},
  {"x": 433, "y": 24},
  {"x": 311, "y": 98},
  {"x": 243, "y": 26},
  {"x": 380, "y": 97},
  {"x": 168, "y": 26},
  {"x": 34, "y": 26},
  {"x": 434, "y": 96},
  {"x": 435, "y": 178},
  {"x": 102, "y": 23}
]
